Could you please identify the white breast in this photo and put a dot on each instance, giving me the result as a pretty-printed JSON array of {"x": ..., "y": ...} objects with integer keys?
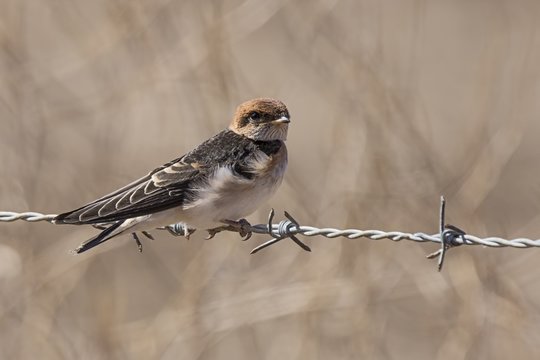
[{"x": 228, "y": 196}]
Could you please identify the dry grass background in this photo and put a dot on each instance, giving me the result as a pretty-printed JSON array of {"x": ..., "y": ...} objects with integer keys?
[{"x": 393, "y": 104}]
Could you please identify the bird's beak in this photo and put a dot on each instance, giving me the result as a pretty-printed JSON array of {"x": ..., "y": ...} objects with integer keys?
[{"x": 282, "y": 120}]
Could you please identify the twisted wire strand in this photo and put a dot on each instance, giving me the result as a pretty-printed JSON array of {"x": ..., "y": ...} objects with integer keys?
[
  {"x": 287, "y": 228},
  {"x": 9, "y": 216}
]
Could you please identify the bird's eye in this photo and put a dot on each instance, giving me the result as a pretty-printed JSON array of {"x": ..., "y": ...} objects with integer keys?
[{"x": 254, "y": 116}]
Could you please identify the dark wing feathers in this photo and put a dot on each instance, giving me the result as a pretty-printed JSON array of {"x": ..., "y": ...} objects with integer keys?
[
  {"x": 169, "y": 185},
  {"x": 147, "y": 195}
]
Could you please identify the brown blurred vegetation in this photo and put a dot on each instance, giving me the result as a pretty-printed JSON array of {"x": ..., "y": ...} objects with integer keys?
[{"x": 393, "y": 104}]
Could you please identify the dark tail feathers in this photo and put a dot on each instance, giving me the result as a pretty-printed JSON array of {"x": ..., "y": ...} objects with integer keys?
[{"x": 100, "y": 238}]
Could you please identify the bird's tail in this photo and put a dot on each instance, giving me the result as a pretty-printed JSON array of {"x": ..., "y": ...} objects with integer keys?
[{"x": 108, "y": 233}]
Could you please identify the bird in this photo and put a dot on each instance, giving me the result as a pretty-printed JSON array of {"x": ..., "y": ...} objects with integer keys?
[{"x": 212, "y": 187}]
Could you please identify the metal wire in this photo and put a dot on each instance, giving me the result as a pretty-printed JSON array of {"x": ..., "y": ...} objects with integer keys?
[
  {"x": 287, "y": 229},
  {"x": 9, "y": 216}
]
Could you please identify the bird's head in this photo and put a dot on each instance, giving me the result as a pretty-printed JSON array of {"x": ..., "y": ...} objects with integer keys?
[{"x": 261, "y": 119}]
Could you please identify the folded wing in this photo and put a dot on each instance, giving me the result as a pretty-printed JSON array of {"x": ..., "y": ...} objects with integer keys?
[
  {"x": 162, "y": 189},
  {"x": 172, "y": 184}
]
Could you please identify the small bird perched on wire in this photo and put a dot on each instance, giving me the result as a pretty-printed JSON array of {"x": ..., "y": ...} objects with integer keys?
[{"x": 212, "y": 187}]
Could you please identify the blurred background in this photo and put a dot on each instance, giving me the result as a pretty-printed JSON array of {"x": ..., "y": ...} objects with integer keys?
[{"x": 393, "y": 104}]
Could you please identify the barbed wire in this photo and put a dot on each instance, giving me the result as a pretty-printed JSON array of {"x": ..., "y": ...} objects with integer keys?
[{"x": 288, "y": 229}]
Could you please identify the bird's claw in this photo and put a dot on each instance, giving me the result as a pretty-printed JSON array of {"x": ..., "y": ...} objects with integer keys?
[
  {"x": 188, "y": 232},
  {"x": 214, "y": 231},
  {"x": 242, "y": 226}
]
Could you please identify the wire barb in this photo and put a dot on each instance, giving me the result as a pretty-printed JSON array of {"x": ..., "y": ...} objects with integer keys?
[
  {"x": 447, "y": 237},
  {"x": 285, "y": 229},
  {"x": 137, "y": 241}
]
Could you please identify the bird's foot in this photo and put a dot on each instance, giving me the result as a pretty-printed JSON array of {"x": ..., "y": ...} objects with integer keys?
[
  {"x": 214, "y": 231},
  {"x": 242, "y": 226},
  {"x": 188, "y": 232}
]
